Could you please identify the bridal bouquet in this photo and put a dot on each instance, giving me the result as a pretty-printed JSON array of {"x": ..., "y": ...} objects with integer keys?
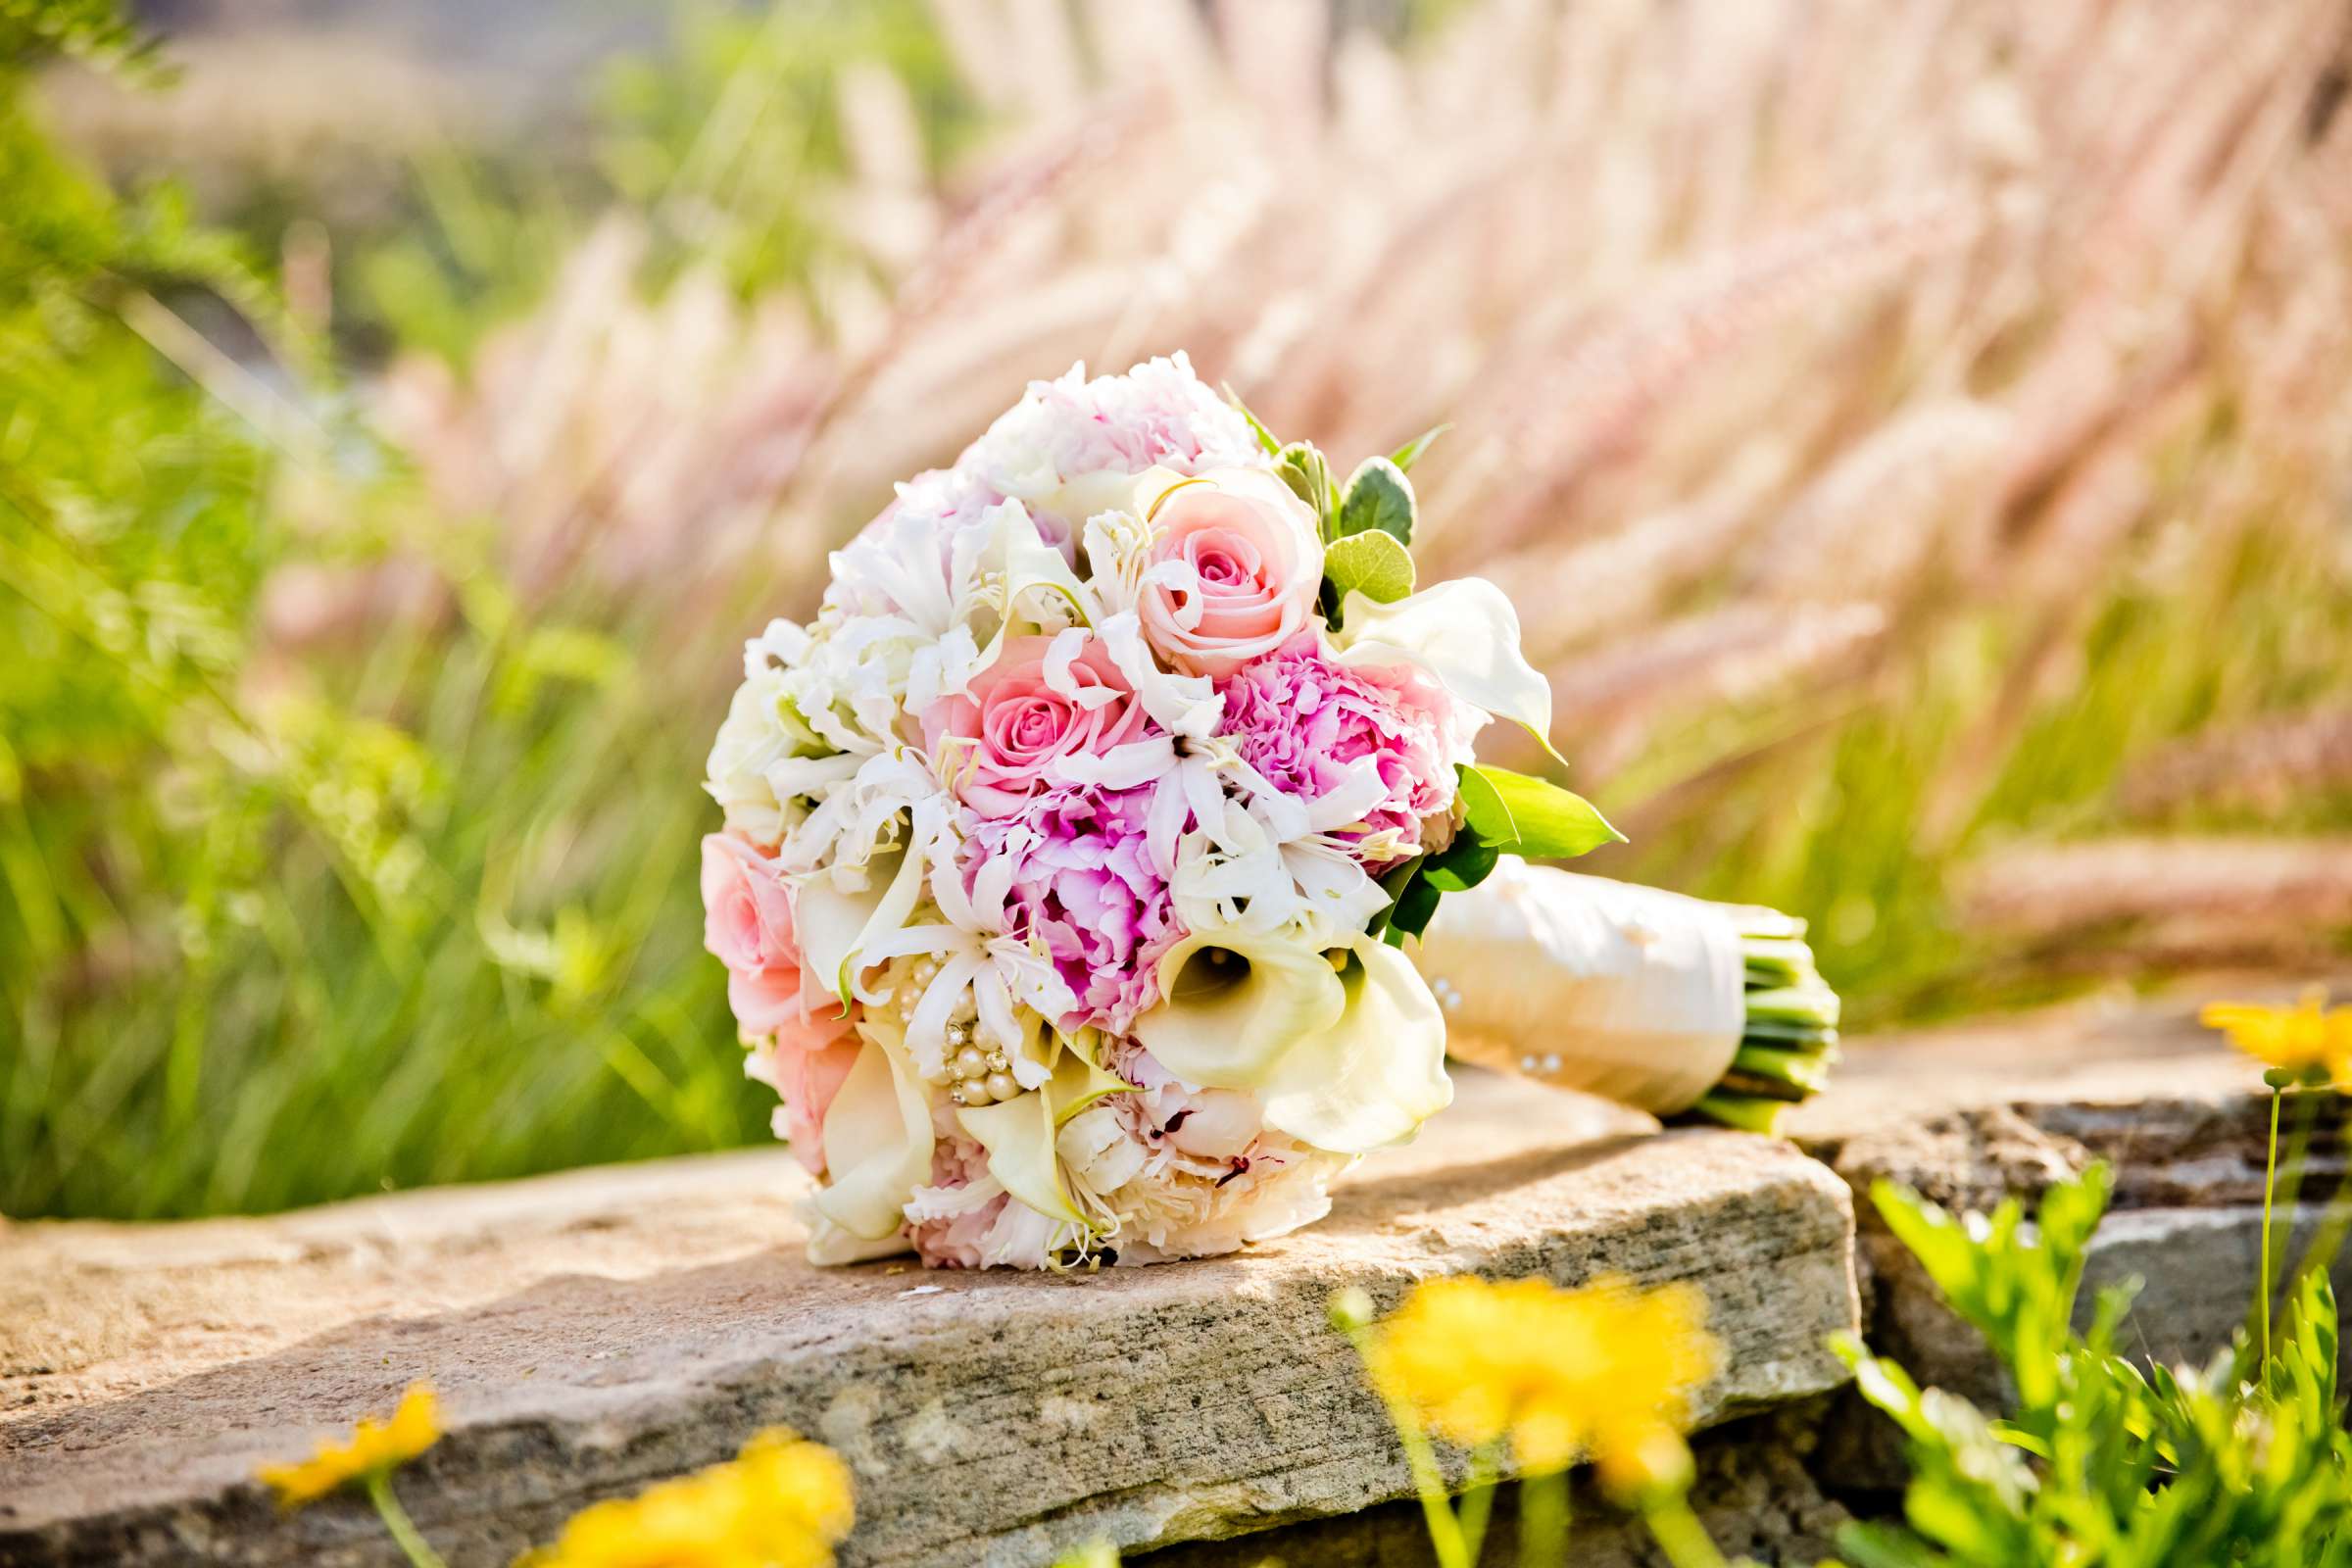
[{"x": 1074, "y": 853}]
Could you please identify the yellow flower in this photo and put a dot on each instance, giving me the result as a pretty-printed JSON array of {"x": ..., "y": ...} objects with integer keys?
[
  {"x": 376, "y": 1447},
  {"x": 1603, "y": 1372},
  {"x": 782, "y": 1503},
  {"x": 2309, "y": 1039}
]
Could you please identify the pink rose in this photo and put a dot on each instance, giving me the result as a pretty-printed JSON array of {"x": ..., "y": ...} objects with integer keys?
[
  {"x": 1051, "y": 712},
  {"x": 806, "y": 1079},
  {"x": 1235, "y": 566},
  {"x": 748, "y": 923}
]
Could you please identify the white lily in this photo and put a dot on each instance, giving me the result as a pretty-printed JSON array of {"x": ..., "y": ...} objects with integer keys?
[
  {"x": 1022, "y": 579},
  {"x": 878, "y": 1139},
  {"x": 846, "y": 916},
  {"x": 763, "y": 731},
  {"x": 1020, "y": 1134},
  {"x": 1465, "y": 634},
  {"x": 1346, "y": 1059},
  {"x": 1186, "y": 706}
]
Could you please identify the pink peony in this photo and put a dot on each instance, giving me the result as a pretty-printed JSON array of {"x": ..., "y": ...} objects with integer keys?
[
  {"x": 965, "y": 1220},
  {"x": 1160, "y": 414},
  {"x": 748, "y": 923},
  {"x": 1074, "y": 876},
  {"x": 1051, "y": 712},
  {"x": 1306, "y": 723},
  {"x": 1235, "y": 566}
]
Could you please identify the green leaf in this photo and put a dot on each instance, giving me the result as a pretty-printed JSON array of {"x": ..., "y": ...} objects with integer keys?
[
  {"x": 1414, "y": 903},
  {"x": 1462, "y": 866},
  {"x": 1373, "y": 565},
  {"x": 1532, "y": 816},
  {"x": 1406, "y": 456},
  {"x": 1303, "y": 467},
  {"x": 1483, "y": 810},
  {"x": 1379, "y": 496},
  {"x": 1257, "y": 426}
]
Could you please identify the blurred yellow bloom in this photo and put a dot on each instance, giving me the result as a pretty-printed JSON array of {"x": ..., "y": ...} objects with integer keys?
[
  {"x": 1603, "y": 1372},
  {"x": 782, "y": 1503},
  {"x": 2310, "y": 1038},
  {"x": 375, "y": 1448}
]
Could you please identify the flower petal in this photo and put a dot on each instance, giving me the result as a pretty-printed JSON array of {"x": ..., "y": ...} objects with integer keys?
[
  {"x": 1225, "y": 1023},
  {"x": 1018, "y": 1134},
  {"x": 1374, "y": 1076},
  {"x": 877, "y": 1138},
  {"x": 1466, "y": 635},
  {"x": 836, "y": 928}
]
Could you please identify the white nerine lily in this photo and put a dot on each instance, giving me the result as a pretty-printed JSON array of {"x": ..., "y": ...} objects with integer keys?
[
  {"x": 1465, "y": 634},
  {"x": 1346, "y": 1058},
  {"x": 1264, "y": 858},
  {"x": 849, "y": 913},
  {"x": 860, "y": 817},
  {"x": 1185, "y": 705}
]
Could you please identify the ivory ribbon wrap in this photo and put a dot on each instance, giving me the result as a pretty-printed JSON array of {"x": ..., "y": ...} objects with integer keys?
[{"x": 1630, "y": 993}]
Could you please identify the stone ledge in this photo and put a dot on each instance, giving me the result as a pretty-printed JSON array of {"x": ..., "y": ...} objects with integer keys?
[
  {"x": 595, "y": 1330},
  {"x": 592, "y": 1332}
]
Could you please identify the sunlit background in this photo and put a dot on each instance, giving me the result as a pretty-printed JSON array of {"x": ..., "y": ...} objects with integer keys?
[{"x": 1915, "y": 434}]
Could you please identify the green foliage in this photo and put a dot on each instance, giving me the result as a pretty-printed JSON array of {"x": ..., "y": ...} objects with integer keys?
[
  {"x": 1372, "y": 563},
  {"x": 1521, "y": 814},
  {"x": 1379, "y": 496},
  {"x": 93, "y": 31},
  {"x": 2100, "y": 1461},
  {"x": 729, "y": 140},
  {"x": 1503, "y": 813},
  {"x": 1406, "y": 456},
  {"x": 278, "y": 932}
]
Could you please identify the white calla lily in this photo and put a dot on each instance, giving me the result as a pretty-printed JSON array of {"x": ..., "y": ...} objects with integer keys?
[
  {"x": 1465, "y": 634},
  {"x": 1018, "y": 1135},
  {"x": 877, "y": 1135},
  {"x": 1025, "y": 564},
  {"x": 1347, "y": 1060},
  {"x": 1372, "y": 1078},
  {"x": 1235, "y": 1000}
]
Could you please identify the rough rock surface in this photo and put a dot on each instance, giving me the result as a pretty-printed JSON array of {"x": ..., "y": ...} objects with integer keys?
[
  {"x": 1753, "y": 1492},
  {"x": 596, "y": 1330},
  {"x": 593, "y": 1332}
]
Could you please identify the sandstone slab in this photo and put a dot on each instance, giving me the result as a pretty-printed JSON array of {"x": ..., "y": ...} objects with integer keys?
[{"x": 593, "y": 1332}]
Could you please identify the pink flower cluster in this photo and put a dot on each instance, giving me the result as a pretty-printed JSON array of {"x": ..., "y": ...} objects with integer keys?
[
  {"x": 1306, "y": 723},
  {"x": 1073, "y": 874},
  {"x": 805, "y": 1050}
]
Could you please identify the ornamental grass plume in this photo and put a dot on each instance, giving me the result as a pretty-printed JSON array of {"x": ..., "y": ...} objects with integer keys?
[
  {"x": 782, "y": 1503},
  {"x": 376, "y": 1447}
]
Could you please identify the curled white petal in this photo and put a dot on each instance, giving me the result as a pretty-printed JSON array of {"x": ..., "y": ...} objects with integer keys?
[
  {"x": 1464, "y": 633},
  {"x": 877, "y": 1138},
  {"x": 1188, "y": 706}
]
